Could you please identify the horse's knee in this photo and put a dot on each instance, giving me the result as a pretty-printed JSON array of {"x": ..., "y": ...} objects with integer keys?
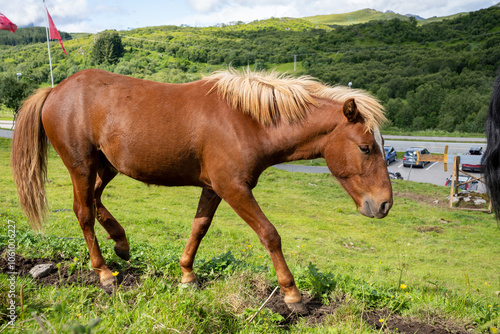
[
  {"x": 84, "y": 212},
  {"x": 201, "y": 228},
  {"x": 271, "y": 239},
  {"x": 186, "y": 262}
]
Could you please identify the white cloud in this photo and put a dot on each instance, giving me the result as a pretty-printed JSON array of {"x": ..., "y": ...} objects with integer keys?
[
  {"x": 205, "y": 6},
  {"x": 239, "y": 13},
  {"x": 33, "y": 11}
]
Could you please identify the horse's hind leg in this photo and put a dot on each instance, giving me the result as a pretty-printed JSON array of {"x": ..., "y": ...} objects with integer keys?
[
  {"x": 110, "y": 224},
  {"x": 84, "y": 179},
  {"x": 209, "y": 201}
]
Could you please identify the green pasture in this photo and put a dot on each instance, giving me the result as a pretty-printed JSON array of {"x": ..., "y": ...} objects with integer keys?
[
  {"x": 6, "y": 114},
  {"x": 423, "y": 261}
]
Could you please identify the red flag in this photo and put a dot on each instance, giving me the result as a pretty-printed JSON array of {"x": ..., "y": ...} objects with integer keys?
[
  {"x": 54, "y": 34},
  {"x": 6, "y": 24}
]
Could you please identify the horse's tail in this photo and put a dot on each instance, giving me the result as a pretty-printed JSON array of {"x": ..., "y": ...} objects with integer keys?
[
  {"x": 491, "y": 157},
  {"x": 29, "y": 158}
]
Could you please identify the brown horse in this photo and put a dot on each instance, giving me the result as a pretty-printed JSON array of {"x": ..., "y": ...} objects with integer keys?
[{"x": 219, "y": 133}]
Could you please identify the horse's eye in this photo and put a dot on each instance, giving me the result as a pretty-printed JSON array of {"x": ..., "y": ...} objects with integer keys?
[{"x": 365, "y": 149}]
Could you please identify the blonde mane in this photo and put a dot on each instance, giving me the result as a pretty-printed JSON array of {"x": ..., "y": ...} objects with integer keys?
[{"x": 271, "y": 97}]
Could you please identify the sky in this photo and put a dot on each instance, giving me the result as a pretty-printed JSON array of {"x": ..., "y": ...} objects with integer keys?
[{"x": 98, "y": 15}]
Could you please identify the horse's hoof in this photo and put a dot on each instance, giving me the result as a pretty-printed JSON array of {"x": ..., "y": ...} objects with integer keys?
[
  {"x": 298, "y": 308},
  {"x": 109, "y": 285},
  {"x": 124, "y": 254},
  {"x": 190, "y": 285}
]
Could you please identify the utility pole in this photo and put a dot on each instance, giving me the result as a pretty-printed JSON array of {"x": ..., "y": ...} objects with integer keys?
[{"x": 48, "y": 46}]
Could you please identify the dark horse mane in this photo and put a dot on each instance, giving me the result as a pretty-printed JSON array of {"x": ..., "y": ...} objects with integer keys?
[{"x": 491, "y": 157}]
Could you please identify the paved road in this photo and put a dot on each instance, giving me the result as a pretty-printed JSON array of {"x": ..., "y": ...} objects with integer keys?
[
  {"x": 432, "y": 173},
  {"x": 435, "y": 147},
  {"x": 6, "y": 124},
  {"x": 6, "y": 133},
  {"x": 6, "y": 129}
]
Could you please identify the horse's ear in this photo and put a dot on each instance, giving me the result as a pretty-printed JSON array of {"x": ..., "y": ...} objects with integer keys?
[{"x": 350, "y": 110}]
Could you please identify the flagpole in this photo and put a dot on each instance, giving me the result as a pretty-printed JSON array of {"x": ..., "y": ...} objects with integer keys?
[{"x": 48, "y": 44}]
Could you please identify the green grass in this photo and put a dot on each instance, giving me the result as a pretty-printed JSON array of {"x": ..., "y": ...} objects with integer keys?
[
  {"x": 447, "y": 259},
  {"x": 431, "y": 133},
  {"x": 5, "y": 114},
  {"x": 289, "y": 68}
]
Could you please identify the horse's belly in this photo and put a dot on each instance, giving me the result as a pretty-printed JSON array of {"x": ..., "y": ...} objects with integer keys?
[{"x": 159, "y": 167}]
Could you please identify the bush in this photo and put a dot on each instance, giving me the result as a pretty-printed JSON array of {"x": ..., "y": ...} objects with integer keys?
[
  {"x": 13, "y": 93},
  {"x": 108, "y": 48}
]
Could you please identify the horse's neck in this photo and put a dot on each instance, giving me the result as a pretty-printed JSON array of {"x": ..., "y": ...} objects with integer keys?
[{"x": 306, "y": 140}]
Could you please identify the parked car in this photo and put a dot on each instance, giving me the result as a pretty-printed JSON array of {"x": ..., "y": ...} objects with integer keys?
[
  {"x": 461, "y": 180},
  {"x": 478, "y": 168},
  {"x": 390, "y": 154},
  {"x": 395, "y": 175},
  {"x": 410, "y": 157}
]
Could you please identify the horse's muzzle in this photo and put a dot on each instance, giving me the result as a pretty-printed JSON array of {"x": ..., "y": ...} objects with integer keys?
[{"x": 375, "y": 209}]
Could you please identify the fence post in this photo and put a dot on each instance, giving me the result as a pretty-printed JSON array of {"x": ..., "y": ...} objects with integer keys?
[{"x": 454, "y": 179}]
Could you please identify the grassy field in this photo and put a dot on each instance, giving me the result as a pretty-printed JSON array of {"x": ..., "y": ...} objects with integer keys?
[
  {"x": 5, "y": 114},
  {"x": 424, "y": 261}
]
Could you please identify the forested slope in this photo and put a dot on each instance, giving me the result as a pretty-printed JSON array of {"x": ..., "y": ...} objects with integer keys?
[{"x": 433, "y": 76}]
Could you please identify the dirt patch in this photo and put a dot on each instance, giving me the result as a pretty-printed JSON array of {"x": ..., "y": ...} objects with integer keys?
[
  {"x": 67, "y": 275},
  {"x": 317, "y": 311},
  {"x": 424, "y": 229},
  {"x": 471, "y": 200},
  {"x": 397, "y": 324},
  {"x": 436, "y": 201},
  {"x": 392, "y": 322},
  {"x": 464, "y": 200}
]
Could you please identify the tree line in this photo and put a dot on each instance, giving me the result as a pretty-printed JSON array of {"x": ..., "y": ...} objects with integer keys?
[{"x": 24, "y": 36}]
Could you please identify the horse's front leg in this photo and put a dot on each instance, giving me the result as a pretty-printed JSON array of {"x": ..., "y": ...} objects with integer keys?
[
  {"x": 209, "y": 201},
  {"x": 240, "y": 198}
]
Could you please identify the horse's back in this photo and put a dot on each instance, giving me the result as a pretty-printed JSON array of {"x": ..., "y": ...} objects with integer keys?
[{"x": 145, "y": 129}]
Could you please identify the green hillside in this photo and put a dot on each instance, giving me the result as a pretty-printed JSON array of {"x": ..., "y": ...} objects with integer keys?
[
  {"x": 441, "y": 18},
  {"x": 359, "y": 16},
  {"x": 437, "y": 76},
  {"x": 367, "y": 15},
  {"x": 283, "y": 23}
]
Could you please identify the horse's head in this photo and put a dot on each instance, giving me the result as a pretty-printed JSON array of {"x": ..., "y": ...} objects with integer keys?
[{"x": 355, "y": 156}]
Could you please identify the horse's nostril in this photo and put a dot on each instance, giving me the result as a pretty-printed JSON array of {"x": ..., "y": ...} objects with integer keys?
[{"x": 384, "y": 207}]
